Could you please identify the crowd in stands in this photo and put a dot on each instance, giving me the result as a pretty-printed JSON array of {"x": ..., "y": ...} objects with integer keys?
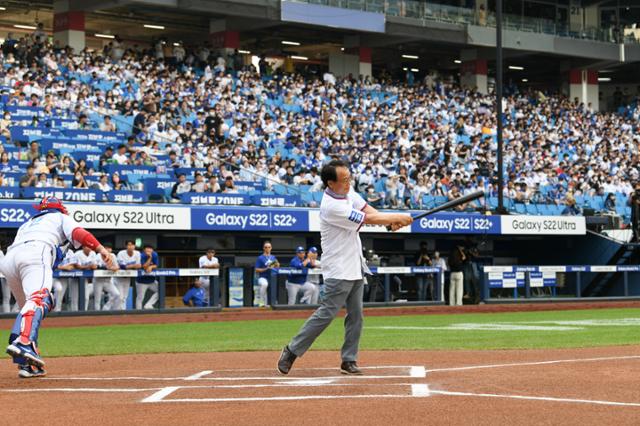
[{"x": 184, "y": 108}]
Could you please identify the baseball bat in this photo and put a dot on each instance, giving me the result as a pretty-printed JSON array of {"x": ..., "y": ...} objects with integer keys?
[{"x": 448, "y": 205}]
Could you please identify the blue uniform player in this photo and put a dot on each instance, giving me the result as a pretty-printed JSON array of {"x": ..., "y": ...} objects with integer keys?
[
  {"x": 298, "y": 283},
  {"x": 264, "y": 265},
  {"x": 195, "y": 296}
]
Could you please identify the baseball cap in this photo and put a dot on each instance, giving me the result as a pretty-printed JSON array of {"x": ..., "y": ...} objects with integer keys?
[
  {"x": 299, "y": 249},
  {"x": 313, "y": 250}
]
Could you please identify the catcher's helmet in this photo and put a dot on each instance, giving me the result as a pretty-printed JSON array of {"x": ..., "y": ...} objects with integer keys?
[{"x": 48, "y": 203}]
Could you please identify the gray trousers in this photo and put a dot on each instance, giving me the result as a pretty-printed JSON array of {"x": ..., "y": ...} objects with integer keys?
[{"x": 337, "y": 293}]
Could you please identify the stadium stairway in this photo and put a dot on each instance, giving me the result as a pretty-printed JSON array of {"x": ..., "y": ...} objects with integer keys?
[{"x": 604, "y": 282}]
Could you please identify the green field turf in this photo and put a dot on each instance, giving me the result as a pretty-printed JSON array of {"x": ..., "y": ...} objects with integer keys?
[{"x": 603, "y": 327}]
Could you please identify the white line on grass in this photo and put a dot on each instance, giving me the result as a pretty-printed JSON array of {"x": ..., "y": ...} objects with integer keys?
[
  {"x": 537, "y": 398},
  {"x": 161, "y": 394},
  {"x": 518, "y": 364},
  {"x": 199, "y": 375}
]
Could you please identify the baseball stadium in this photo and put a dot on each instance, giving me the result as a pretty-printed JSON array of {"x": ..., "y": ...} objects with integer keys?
[{"x": 279, "y": 212}]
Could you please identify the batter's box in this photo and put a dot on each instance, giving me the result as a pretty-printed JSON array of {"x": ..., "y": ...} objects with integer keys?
[{"x": 286, "y": 392}]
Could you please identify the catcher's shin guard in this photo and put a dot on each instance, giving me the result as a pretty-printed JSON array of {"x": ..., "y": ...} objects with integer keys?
[{"x": 27, "y": 324}]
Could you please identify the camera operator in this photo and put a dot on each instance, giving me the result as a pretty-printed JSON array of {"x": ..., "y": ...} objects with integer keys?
[{"x": 634, "y": 202}]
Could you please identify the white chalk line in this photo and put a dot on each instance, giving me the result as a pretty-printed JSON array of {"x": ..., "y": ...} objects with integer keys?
[
  {"x": 99, "y": 390},
  {"x": 199, "y": 375},
  {"x": 285, "y": 398},
  {"x": 161, "y": 394},
  {"x": 537, "y": 398},
  {"x": 376, "y": 367},
  {"x": 271, "y": 385},
  {"x": 519, "y": 364},
  {"x": 231, "y": 379}
]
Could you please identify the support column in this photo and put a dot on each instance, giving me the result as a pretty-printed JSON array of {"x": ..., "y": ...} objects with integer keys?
[
  {"x": 365, "y": 54},
  {"x": 474, "y": 75},
  {"x": 68, "y": 26},
  {"x": 222, "y": 38},
  {"x": 583, "y": 85}
]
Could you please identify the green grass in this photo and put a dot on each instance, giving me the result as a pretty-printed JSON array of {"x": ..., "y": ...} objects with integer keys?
[{"x": 273, "y": 334}]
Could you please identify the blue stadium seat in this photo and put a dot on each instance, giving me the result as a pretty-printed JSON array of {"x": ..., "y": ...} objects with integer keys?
[
  {"x": 520, "y": 209},
  {"x": 531, "y": 209},
  {"x": 317, "y": 196}
]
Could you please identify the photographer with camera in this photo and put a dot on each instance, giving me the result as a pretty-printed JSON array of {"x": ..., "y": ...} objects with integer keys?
[{"x": 424, "y": 282}]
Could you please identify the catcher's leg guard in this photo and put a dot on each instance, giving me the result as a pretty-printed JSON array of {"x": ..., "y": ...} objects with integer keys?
[{"x": 27, "y": 324}]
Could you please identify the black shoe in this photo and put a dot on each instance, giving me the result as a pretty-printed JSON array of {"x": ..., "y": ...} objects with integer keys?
[
  {"x": 286, "y": 360},
  {"x": 350, "y": 367}
]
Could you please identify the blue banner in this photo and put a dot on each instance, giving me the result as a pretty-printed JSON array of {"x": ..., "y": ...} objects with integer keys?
[
  {"x": 65, "y": 194},
  {"x": 127, "y": 196},
  {"x": 96, "y": 135},
  {"x": 230, "y": 219},
  {"x": 158, "y": 185},
  {"x": 130, "y": 170},
  {"x": 25, "y": 110},
  {"x": 276, "y": 200},
  {"x": 63, "y": 123},
  {"x": 71, "y": 145},
  {"x": 26, "y": 133},
  {"x": 9, "y": 193},
  {"x": 215, "y": 199},
  {"x": 447, "y": 223}
]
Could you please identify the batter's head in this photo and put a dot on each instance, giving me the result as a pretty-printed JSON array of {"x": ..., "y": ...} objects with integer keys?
[{"x": 49, "y": 203}]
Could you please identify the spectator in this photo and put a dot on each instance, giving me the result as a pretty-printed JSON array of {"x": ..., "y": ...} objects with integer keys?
[
  {"x": 571, "y": 208},
  {"x": 196, "y": 296},
  {"x": 229, "y": 187},
  {"x": 199, "y": 185},
  {"x": 634, "y": 203},
  {"x": 30, "y": 179},
  {"x": 610, "y": 203},
  {"x": 121, "y": 157},
  {"x": 117, "y": 183},
  {"x": 265, "y": 263},
  {"x": 213, "y": 185},
  {"x": 147, "y": 282},
  {"x": 107, "y": 125},
  {"x": 297, "y": 283},
  {"x": 180, "y": 187},
  {"x": 78, "y": 181},
  {"x": 103, "y": 184}
]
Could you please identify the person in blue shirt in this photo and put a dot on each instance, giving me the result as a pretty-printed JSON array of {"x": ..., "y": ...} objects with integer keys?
[
  {"x": 195, "y": 296},
  {"x": 297, "y": 283},
  {"x": 264, "y": 265},
  {"x": 149, "y": 261}
]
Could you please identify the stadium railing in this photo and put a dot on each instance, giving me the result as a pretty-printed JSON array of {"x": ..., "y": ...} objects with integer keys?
[
  {"x": 542, "y": 283},
  {"x": 386, "y": 273}
]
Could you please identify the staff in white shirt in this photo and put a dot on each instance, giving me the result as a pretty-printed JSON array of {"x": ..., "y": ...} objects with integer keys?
[
  {"x": 208, "y": 261},
  {"x": 127, "y": 259},
  {"x": 342, "y": 214}
]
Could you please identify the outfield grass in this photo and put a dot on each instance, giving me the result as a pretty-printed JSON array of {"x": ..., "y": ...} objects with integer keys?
[{"x": 273, "y": 334}]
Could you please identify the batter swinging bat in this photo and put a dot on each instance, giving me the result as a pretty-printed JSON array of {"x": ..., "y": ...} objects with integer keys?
[{"x": 448, "y": 205}]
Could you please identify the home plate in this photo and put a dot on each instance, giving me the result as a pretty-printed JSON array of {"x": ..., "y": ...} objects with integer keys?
[{"x": 310, "y": 382}]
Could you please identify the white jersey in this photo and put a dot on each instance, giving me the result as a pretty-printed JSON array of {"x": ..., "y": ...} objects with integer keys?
[
  {"x": 86, "y": 259},
  {"x": 205, "y": 261},
  {"x": 103, "y": 265},
  {"x": 341, "y": 217},
  {"x": 52, "y": 228},
  {"x": 125, "y": 260},
  {"x": 315, "y": 278},
  {"x": 69, "y": 258}
]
